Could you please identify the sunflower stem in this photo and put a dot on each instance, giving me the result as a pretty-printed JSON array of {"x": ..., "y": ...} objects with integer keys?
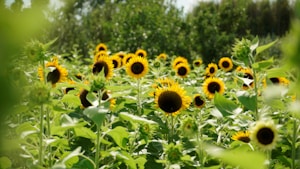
[
  {"x": 48, "y": 134},
  {"x": 294, "y": 138},
  {"x": 256, "y": 95},
  {"x": 41, "y": 135},
  {"x": 269, "y": 156},
  {"x": 200, "y": 142},
  {"x": 97, "y": 147},
  {"x": 139, "y": 107},
  {"x": 172, "y": 129}
]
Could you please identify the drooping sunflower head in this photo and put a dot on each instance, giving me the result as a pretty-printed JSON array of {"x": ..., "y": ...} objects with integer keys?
[
  {"x": 211, "y": 69},
  {"x": 141, "y": 53},
  {"x": 197, "y": 62},
  {"x": 99, "y": 55},
  {"x": 162, "y": 56},
  {"x": 117, "y": 61},
  {"x": 105, "y": 64},
  {"x": 137, "y": 67},
  {"x": 212, "y": 85},
  {"x": 172, "y": 99},
  {"x": 225, "y": 63},
  {"x": 101, "y": 47},
  {"x": 264, "y": 134},
  {"x": 179, "y": 60},
  {"x": 182, "y": 70},
  {"x": 198, "y": 101},
  {"x": 243, "y": 136},
  {"x": 127, "y": 58},
  {"x": 56, "y": 74}
]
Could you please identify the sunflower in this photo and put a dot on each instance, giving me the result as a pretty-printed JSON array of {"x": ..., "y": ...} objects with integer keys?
[
  {"x": 57, "y": 73},
  {"x": 137, "y": 67},
  {"x": 225, "y": 63},
  {"x": 127, "y": 58},
  {"x": 182, "y": 69},
  {"x": 103, "y": 63},
  {"x": 172, "y": 99},
  {"x": 162, "y": 56},
  {"x": 198, "y": 101},
  {"x": 121, "y": 56},
  {"x": 166, "y": 82},
  {"x": 197, "y": 62},
  {"x": 243, "y": 136},
  {"x": 212, "y": 85},
  {"x": 142, "y": 53},
  {"x": 211, "y": 69},
  {"x": 82, "y": 96},
  {"x": 101, "y": 47},
  {"x": 117, "y": 61},
  {"x": 100, "y": 54},
  {"x": 178, "y": 60},
  {"x": 264, "y": 134},
  {"x": 277, "y": 81},
  {"x": 247, "y": 73},
  {"x": 71, "y": 83}
]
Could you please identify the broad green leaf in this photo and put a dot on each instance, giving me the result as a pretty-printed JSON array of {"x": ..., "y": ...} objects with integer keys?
[
  {"x": 5, "y": 163},
  {"x": 69, "y": 159},
  {"x": 249, "y": 101},
  {"x": 225, "y": 106},
  {"x": 71, "y": 100},
  {"x": 276, "y": 72},
  {"x": 263, "y": 64},
  {"x": 92, "y": 98},
  {"x": 26, "y": 129},
  {"x": 95, "y": 114},
  {"x": 120, "y": 136},
  {"x": 262, "y": 48},
  {"x": 238, "y": 157},
  {"x": 140, "y": 161},
  {"x": 85, "y": 132},
  {"x": 134, "y": 118}
]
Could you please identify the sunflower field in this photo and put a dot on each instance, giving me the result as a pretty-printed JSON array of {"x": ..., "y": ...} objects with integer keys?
[{"x": 130, "y": 109}]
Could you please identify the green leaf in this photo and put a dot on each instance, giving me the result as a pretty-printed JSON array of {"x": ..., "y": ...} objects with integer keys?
[
  {"x": 5, "y": 163},
  {"x": 264, "y": 47},
  {"x": 249, "y": 101},
  {"x": 95, "y": 114},
  {"x": 120, "y": 136},
  {"x": 225, "y": 106},
  {"x": 68, "y": 159},
  {"x": 276, "y": 72},
  {"x": 71, "y": 100},
  {"x": 140, "y": 161},
  {"x": 262, "y": 65},
  {"x": 134, "y": 118},
  {"x": 85, "y": 132},
  {"x": 238, "y": 157}
]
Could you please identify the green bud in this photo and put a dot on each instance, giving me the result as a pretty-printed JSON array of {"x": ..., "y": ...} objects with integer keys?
[{"x": 40, "y": 93}]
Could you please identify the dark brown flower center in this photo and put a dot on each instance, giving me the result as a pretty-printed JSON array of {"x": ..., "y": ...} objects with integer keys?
[
  {"x": 212, "y": 70},
  {"x": 83, "y": 100},
  {"x": 97, "y": 68},
  {"x": 244, "y": 139},
  {"x": 274, "y": 80},
  {"x": 265, "y": 136},
  {"x": 213, "y": 87},
  {"x": 169, "y": 101},
  {"x": 116, "y": 63},
  {"x": 198, "y": 101},
  {"x": 182, "y": 71},
  {"x": 101, "y": 49},
  {"x": 137, "y": 68},
  {"x": 248, "y": 76},
  {"x": 141, "y": 54},
  {"x": 225, "y": 64},
  {"x": 53, "y": 76},
  {"x": 197, "y": 63}
]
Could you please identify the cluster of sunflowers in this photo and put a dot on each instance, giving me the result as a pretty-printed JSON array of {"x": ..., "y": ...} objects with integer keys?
[{"x": 173, "y": 92}]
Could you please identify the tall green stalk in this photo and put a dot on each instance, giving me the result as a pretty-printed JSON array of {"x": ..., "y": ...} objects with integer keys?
[
  {"x": 139, "y": 106},
  {"x": 294, "y": 139},
  {"x": 97, "y": 156},
  {"x": 48, "y": 136},
  {"x": 41, "y": 135}
]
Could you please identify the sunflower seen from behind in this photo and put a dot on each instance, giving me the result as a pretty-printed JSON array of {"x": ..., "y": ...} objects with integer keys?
[
  {"x": 182, "y": 70},
  {"x": 265, "y": 134},
  {"x": 105, "y": 64},
  {"x": 137, "y": 67},
  {"x": 211, "y": 70},
  {"x": 172, "y": 99},
  {"x": 225, "y": 63},
  {"x": 212, "y": 85}
]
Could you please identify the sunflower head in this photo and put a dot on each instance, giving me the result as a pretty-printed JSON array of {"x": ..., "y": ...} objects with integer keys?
[
  {"x": 277, "y": 81},
  {"x": 101, "y": 47},
  {"x": 56, "y": 74},
  {"x": 117, "y": 61},
  {"x": 99, "y": 55},
  {"x": 212, "y": 85},
  {"x": 84, "y": 101},
  {"x": 225, "y": 63},
  {"x": 171, "y": 99},
  {"x": 189, "y": 127},
  {"x": 34, "y": 50},
  {"x": 182, "y": 70},
  {"x": 211, "y": 69},
  {"x": 105, "y": 64},
  {"x": 128, "y": 57},
  {"x": 241, "y": 50},
  {"x": 137, "y": 67},
  {"x": 197, "y": 62},
  {"x": 247, "y": 73},
  {"x": 242, "y": 136},
  {"x": 40, "y": 93},
  {"x": 179, "y": 60},
  {"x": 198, "y": 101},
  {"x": 141, "y": 53},
  {"x": 173, "y": 153},
  {"x": 162, "y": 56},
  {"x": 264, "y": 134}
]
